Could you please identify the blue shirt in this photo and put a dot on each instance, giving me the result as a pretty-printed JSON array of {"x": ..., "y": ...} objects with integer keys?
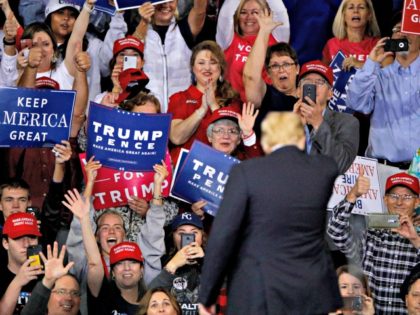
[{"x": 392, "y": 95}]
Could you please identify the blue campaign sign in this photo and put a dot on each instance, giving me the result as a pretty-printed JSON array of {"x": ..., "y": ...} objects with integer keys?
[
  {"x": 203, "y": 176},
  {"x": 132, "y": 4},
  {"x": 127, "y": 141},
  {"x": 35, "y": 117},
  {"x": 341, "y": 80},
  {"x": 100, "y": 5}
]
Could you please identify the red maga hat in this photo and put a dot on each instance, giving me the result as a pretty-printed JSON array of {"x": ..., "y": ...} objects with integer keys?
[
  {"x": 128, "y": 42},
  {"x": 403, "y": 179},
  {"x": 317, "y": 66},
  {"x": 20, "y": 224},
  {"x": 125, "y": 251}
]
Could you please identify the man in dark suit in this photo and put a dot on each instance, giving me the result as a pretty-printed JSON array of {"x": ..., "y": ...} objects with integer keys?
[{"x": 268, "y": 235}]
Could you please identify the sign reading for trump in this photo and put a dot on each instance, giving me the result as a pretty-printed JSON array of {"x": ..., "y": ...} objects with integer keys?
[
  {"x": 203, "y": 176},
  {"x": 127, "y": 141},
  {"x": 113, "y": 188},
  {"x": 411, "y": 17},
  {"x": 35, "y": 117}
]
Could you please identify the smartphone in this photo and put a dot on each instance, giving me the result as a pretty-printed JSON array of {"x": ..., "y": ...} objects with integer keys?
[
  {"x": 353, "y": 303},
  {"x": 26, "y": 43},
  {"x": 34, "y": 211},
  {"x": 186, "y": 239},
  {"x": 130, "y": 62},
  {"x": 33, "y": 252},
  {"x": 309, "y": 90},
  {"x": 396, "y": 45},
  {"x": 383, "y": 221}
]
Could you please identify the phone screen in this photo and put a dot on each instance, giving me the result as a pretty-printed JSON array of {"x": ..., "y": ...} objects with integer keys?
[
  {"x": 309, "y": 90},
  {"x": 186, "y": 239},
  {"x": 130, "y": 62}
]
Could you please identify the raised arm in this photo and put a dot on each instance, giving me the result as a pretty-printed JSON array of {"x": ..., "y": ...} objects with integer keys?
[
  {"x": 339, "y": 228},
  {"x": 255, "y": 87},
  {"x": 197, "y": 16},
  {"x": 79, "y": 31},
  {"x": 79, "y": 206},
  {"x": 279, "y": 12},
  {"x": 225, "y": 30},
  {"x": 82, "y": 65}
]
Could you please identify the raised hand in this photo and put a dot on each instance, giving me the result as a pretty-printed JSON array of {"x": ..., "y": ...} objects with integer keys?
[
  {"x": 247, "y": 119},
  {"x": 361, "y": 187},
  {"x": 408, "y": 230},
  {"x": 197, "y": 208},
  {"x": 161, "y": 172},
  {"x": 77, "y": 204},
  {"x": 266, "y": 22},
  {"x": 146, "y": 11},
  {"x": 62, "y": 152},
  {"x": 10, "y": 27},
  {"x": 138, "y": 205},
  {"x": 81, "y": 59},
  {"x": 35, "y": 56},
  {"x": 54, "y": 267},
  {"x": 91, "y": 169}
]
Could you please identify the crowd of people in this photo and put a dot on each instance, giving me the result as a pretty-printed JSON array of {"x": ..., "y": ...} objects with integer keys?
[{"x": 228, "y": 74}]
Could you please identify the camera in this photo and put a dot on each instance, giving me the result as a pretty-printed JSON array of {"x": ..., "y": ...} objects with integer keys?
[
  {"x": 187, "y": 239},
  {"x": 396, "y": 45},
  {"x": 353, "y": 303},
  {"x": 382, "y": 221}
]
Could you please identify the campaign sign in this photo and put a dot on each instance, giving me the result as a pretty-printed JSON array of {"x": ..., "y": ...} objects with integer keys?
[
  {"x": 181, "y": 159},
  {"x": 411, "y": 17},
  {"x": 341, "y": 81},
  {"x": 100, "y": 5},
  {"x": 132, "y": 4},
  {"x": 371, "y": 202},
  {"x": 203, "y": 176},
  {"x": 35, "y": 117},
  {"x": 113, "y": 188},
  {"x": 127, "y": 141}
]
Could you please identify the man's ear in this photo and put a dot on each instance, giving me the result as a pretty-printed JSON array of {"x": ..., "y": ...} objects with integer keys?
[{"x": 5, "y": 244}]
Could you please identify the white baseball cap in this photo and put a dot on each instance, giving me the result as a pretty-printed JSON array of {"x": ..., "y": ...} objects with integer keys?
[{"x": 55, "y": 5}]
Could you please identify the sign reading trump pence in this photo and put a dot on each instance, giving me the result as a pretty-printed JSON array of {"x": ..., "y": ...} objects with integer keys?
[
  {"x": 127, "y": 141},
  {"x": 371, "y": 202},
  {"x": 203, "y": 176},
  {"x": 34, "y": 117},
  {"x": 114, "y": 188},
  {"x": 411, "y": 17}
]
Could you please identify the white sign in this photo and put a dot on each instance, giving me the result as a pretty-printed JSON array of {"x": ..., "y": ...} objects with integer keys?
[{"x": 371, "y": 202}]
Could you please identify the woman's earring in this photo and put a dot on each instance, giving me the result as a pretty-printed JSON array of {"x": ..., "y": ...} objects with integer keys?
[{"x": 221, "y": 79}]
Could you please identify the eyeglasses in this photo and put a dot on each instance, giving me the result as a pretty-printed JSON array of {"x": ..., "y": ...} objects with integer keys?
[
  {"x": 64, "y": 292},
  {"x": 284, "y": 66},
  {"x": 317, "y": 82},
  {"x": 229, "y": 132},
  {"x": 396, "y": 197}
]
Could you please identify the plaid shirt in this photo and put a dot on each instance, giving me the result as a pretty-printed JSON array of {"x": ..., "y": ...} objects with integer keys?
[{"x": 386, "y": 258}]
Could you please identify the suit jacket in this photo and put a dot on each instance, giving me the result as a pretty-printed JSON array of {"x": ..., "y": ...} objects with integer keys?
[
  {"x": 337, "y": 137},
  {"x": 268, "y": 237}
]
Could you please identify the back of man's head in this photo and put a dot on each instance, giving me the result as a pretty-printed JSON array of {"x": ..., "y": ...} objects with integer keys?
[{"x": 282, "y": 128}]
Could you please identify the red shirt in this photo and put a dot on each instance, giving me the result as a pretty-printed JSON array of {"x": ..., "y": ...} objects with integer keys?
[
  {"x": 236, "y": 55},
  {"x": 182, "y": 105},
  {"x": 360, "y": 51}
]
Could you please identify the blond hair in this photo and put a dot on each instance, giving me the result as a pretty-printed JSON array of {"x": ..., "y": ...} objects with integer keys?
[
  {"x": 281, "y": 128},
  {"x": 339, "y": 25},
  {"x": 263, "y": 4}
]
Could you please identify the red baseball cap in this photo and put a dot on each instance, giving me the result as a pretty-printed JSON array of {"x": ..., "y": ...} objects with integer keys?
[
  {"x": 128, "y": 42},
  {"x": 228, "y": 112},
  {"x": 319, "y": 67},
  {"x": 403, "y": 179},
  {"x": 125, "y": 251},
  {"x": 132, "y": 81},
  {"x": 46, "y": 83},
  {"x": 20, "y": 224}
]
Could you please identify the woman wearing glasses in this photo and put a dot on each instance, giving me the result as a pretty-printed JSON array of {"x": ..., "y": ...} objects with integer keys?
[{"x": 209, "y": 92}]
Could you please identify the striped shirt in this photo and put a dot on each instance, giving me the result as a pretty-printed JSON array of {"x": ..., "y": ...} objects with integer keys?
[{"x": 386, "y": 258}]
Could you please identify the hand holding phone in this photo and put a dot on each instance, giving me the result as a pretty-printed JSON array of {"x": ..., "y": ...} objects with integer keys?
[
  {"x": 353, "y": 303},
  {"x": 33, "y": 252},
  {"x": 309, "y": 90},
  {"x": 396, "y": 45}
]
